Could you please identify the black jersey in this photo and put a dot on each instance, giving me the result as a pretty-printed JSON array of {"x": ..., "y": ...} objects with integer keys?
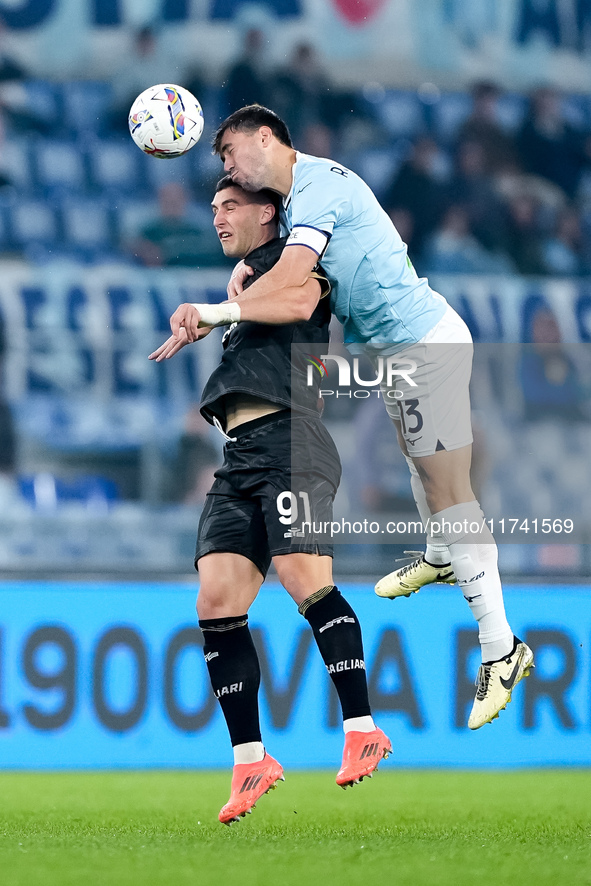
[{"x": 257, "y": 357}]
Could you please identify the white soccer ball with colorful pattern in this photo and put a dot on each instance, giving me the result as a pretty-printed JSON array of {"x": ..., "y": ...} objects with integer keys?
[{"x": 166, "y": 120}]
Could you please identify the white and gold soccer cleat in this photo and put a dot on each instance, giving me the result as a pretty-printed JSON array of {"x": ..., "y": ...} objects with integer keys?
[
  {"x": 411, "y": 578},
  {"x": 496, "y": 681}
]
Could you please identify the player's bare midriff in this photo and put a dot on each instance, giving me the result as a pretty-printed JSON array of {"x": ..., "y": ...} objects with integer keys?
[{"x": 241, "y": 408}]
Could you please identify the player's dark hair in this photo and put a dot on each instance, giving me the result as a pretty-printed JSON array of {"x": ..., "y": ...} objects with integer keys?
[
  {"x": 265, "y": 195},
  {"x": 249, "y": 119}
]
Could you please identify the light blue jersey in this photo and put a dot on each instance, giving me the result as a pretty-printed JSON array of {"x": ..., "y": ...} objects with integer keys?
[{"x": 376, "y": 293}]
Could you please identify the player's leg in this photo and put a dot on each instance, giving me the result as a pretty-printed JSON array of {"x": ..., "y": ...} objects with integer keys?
[
  {"x": 430, "y": 408},
  {"x": 308, "y": 580},
  {"x": 437, "y": 431},
  {"x": 228, "y": 585},
  {"x": 229, "y": 582},
  {"x": 296, "y": 497},
  {"x": 337, "y": 633},
  {"x": 432, "y": 566},
  {"x": 457, "y": 525},
  {"x": 302, "y": 556},
  {"x": 459, "y": 522},
  {"x": 307, "y": 477}
]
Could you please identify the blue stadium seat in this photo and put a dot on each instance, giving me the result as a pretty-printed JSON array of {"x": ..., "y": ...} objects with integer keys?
[
  {"x": 5, "y": 240},
  {"x": 132, "y": 214},
  {"x": 44, "y": 101},
  {"x": 88, "y": 223},
  {"x": 448, "y": 114},
  {"x": 116, "y": 165},
  {"x": 59, "y": 165},
  {"x": 401, "y": 113},
  {"x": 159, "y": 172},
  {"x": 45, "y": 491},
  {"x": 86, "y": 103},
  {"x": 377, "y": 167},
  {"x": 204, "y": 162},
  {"x": 33, "y": 222},
  {"x": 511, "y": 111},
  {"x": 15, "y": 163},
  {"x": 576, "y": 111}
]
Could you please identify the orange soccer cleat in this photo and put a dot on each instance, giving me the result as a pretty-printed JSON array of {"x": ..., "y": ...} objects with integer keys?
[
  {"x": 249, "y": 782},
  {"x": 363, "y": 751}
]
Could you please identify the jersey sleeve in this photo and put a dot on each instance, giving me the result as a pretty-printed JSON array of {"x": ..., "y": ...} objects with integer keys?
[{"x": 318, "y": 202}]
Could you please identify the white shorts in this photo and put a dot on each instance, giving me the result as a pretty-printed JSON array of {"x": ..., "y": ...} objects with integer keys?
[{"x": 430, "y": 395}]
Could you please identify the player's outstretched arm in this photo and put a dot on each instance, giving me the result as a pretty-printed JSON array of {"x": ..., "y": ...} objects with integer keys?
[
  {"x": 286, "y": 293},
  {"x": 174, "y": 344}
]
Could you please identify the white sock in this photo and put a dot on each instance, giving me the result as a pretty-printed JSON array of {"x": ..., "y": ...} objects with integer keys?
[
  {"x": 436, "y": 552},
  {"x": 474, "y": 559},
  {"x": 249, "y": 752},
  {"x": 437, "y": 555},
  {"x": 359, "y": 724}
]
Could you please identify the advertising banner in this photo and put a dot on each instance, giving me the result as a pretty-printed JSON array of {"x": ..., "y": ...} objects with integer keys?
[
  {"x": 113, "y": 676},
  {"x": 90, "y": 334}
]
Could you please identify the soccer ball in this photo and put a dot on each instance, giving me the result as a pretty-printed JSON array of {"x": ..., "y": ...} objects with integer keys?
[{"x": 166, "y": 120}]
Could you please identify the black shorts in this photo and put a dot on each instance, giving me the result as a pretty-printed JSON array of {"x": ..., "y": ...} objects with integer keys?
[{"x": 274, "y": 492}]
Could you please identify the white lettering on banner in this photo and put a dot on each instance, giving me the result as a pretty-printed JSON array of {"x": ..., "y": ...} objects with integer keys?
[
  {"x": 165, "y": 715},
  {"x": 89, "y": 334},
  {"x": 35, "y": 13},
  {"x": 500, "y": 309}
]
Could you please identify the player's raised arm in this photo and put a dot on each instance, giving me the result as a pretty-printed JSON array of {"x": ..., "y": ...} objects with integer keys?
[{"x": 285, "y": 302}]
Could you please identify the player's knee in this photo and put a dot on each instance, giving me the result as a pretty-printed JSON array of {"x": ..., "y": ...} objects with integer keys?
[
  {"x": 298, "y": 573},
  {"x": 296, "y": 584},
  {"x": 213, "y": 601}
]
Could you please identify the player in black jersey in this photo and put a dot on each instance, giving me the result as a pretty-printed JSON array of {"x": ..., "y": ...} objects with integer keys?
[{"x": 277, "y": 453}]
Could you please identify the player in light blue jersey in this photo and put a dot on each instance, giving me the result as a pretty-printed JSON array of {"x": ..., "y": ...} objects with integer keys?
[
  {"x": 331, "y": 210},
  {"x": 332, "y": 215}
]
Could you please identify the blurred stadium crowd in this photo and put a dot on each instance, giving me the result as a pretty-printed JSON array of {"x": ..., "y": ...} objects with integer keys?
[{"x": 485, "y": 181}]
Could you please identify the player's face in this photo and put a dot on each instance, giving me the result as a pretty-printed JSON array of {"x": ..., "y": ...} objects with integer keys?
[
  {"x": 238, "y": 222},
  {"x": 245, "y": 159}
]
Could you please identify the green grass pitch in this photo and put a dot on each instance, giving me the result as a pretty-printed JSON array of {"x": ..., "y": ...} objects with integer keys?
[{"x": 402, "y": 827}]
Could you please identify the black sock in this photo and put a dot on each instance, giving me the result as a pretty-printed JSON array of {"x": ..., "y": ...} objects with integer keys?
[
  {"x": 338, "y": 635},
  {"x": 235, "y": 674}
]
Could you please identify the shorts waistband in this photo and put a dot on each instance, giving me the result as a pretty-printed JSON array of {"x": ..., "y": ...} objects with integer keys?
[{"x": 248, "y": 426}]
